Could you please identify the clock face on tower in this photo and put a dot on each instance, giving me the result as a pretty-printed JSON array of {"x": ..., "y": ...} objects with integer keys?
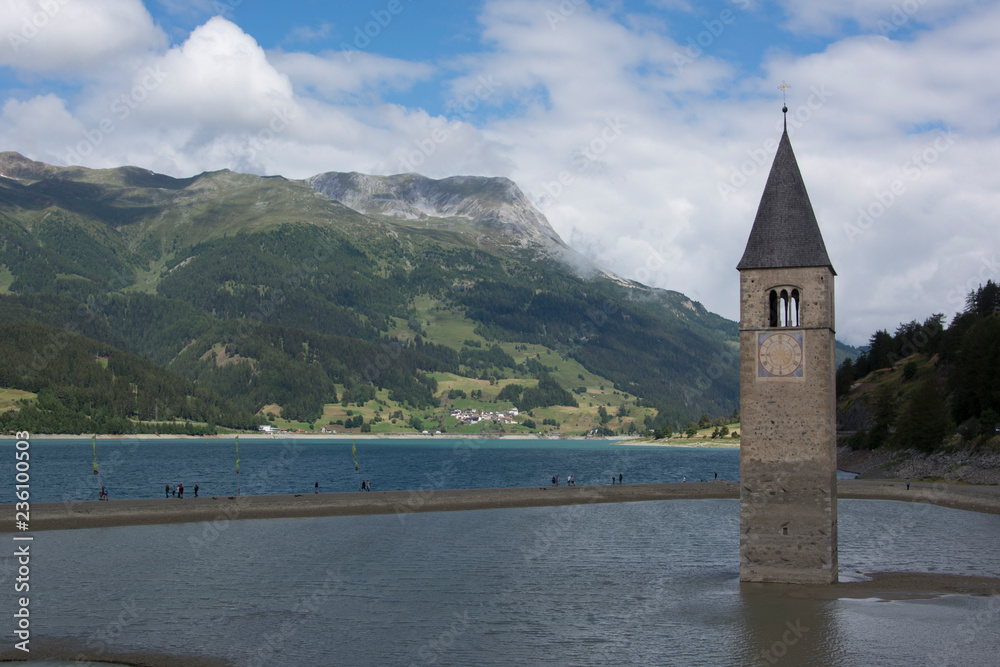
[{"x": 779, "y": 355}]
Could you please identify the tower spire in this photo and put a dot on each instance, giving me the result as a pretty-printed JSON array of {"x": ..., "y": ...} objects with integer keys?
[
  {"x": 785, "y": 232},
  {"x": 784, "y": 103}
]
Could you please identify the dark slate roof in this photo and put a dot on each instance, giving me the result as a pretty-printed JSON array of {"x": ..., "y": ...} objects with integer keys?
[{"x": 785, "y": 232}]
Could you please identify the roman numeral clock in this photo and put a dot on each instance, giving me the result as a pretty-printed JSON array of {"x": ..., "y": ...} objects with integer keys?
[{"x": 779, "y": 355}]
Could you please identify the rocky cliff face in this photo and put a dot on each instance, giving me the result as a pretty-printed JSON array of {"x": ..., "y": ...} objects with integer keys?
[
  {"x": 980, "y": 467},
  {"x": 15, "y": 165},
  {"x": 495, "y": 204}
]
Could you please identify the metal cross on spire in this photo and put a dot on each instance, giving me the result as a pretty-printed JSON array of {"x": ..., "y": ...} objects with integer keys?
[{"x": 784, "y": 102}]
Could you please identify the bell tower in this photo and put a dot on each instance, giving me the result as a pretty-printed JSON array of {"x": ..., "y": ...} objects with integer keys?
[{"x": 788, "y": 452}]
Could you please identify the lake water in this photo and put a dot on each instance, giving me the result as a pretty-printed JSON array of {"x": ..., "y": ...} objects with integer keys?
[
  {"x": 652, "y": 583},
  {"x": 62, "y": 470}
]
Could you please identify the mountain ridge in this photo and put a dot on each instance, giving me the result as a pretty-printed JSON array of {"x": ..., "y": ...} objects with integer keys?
[
  {"x": 494, "y": 202},
  {"x": 462, "y": 272}
]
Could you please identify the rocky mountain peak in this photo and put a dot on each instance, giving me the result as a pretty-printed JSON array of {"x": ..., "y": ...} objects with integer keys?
[
  {"x": 15, "y": 165},
  {"x": 494, "y": 203}
]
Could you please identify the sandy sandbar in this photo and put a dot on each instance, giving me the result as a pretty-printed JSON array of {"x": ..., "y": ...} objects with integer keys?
[
  {"x": 877, "y": 585},
  {"x": 96, "y": 514}
]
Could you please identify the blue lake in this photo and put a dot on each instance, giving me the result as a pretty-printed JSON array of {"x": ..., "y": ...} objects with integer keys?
[
  {"x": 62, "y": 470},
  {"x": 652, "y": 583}
]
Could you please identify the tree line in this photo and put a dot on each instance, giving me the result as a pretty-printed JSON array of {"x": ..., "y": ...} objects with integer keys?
[
  {"x": 950, "y": 383},
  {"x": 85, "y": 386}
]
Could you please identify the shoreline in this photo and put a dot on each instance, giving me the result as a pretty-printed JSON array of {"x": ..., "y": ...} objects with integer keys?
[
  {"x": 145, "y": 511},
  {"x": 695, "y": 443},
  {"x": 258, "y": 435}
]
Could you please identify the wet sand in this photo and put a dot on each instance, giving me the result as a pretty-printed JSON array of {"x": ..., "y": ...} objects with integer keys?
[
  {"x": 884, "y": 586},
  {"x": 96, "y": 514}
]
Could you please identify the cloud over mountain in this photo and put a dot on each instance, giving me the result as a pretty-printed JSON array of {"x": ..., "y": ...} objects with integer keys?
[{"x": 643, "y": 134}]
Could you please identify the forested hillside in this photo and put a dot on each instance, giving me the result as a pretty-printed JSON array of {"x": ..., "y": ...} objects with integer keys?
[
  {"x": 930, "y": 385},
  {"x": 85, "y": 386},
  {"x": 283, "y": 302}
]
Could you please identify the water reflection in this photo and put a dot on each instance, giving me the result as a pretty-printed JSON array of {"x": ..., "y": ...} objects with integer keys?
[
  {"x": 779, "y": 628},
  {"x": 634, "y": 583}
]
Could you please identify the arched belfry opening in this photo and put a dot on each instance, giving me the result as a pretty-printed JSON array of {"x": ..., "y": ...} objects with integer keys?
[{"x": 783, "y": 307}]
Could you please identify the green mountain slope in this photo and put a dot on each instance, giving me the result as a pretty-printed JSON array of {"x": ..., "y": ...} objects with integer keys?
[
  {"x": 86, "y": 386},
  {"x": 271, "y": 293}
]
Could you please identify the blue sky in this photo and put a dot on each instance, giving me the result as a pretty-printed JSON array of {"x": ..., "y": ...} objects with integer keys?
[{"x": 642, "y": 129}]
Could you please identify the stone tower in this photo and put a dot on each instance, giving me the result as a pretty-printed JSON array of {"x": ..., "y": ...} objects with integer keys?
[{"x": 788, "y": 452}]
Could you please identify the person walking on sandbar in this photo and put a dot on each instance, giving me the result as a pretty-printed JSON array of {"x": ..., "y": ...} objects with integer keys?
[
  {"x": 195, "y": 490},
  {"x": 180, "y": 490},
  {"x": 167, "y": 488}
]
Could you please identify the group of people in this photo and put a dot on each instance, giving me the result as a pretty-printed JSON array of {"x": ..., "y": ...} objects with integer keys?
[
  {"x": 570, "y": 481},
  {"x": 619, "y": 479},
  {"x": 365, "y": 486},
  {"x": 178, "y": 491}
]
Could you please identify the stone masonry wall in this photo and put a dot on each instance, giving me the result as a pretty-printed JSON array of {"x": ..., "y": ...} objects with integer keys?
[{"x": 788, "y": 507}]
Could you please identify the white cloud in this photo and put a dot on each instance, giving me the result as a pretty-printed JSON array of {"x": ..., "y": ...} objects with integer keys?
[
  {"x": 221, "y": 77},
  {"x": 341, "y": 75},
  {"x": 623, "y": 145},
  {"x": 308, "y": 33},
  {"x": 39, "y": 119},
  {"x": 881, "y": 16},
  {"x": 860, "y": 109},
  {"x": 64, "y": 37}
]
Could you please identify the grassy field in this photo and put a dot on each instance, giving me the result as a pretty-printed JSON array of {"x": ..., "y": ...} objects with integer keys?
[
  {"x": 10, "y": 397},
  {"x": 449, "y": 326},
  {"x": 6, "y": 279},
  {"x": 443, "y": 325},
  {"x": 706, "y": 433},
  {"x": 568, "y": 420}
]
